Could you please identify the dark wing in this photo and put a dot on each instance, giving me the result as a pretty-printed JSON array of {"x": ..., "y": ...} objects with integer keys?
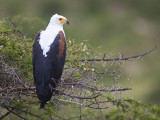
[
  {"x": 37, "y": 54},
  {"x": 57, "y": 54}
]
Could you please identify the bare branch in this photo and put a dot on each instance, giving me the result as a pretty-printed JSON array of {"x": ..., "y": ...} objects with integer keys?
[{"x": 120, "y": 58}]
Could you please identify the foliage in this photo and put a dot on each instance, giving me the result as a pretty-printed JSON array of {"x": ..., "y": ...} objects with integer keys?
[
  {"x": 81, "y": 87},
  {"x": 16, "y": 50},
  {"x": 130, "y": 109}
]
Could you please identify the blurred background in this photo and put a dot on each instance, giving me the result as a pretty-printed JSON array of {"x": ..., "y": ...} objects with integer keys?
[{"x": 120, "y": 26}]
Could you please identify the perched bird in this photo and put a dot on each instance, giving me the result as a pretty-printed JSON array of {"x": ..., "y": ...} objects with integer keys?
[{"x": 49, "y": 52}]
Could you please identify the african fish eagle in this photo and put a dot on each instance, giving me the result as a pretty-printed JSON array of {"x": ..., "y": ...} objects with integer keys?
[{"x": 49, "y": 52}]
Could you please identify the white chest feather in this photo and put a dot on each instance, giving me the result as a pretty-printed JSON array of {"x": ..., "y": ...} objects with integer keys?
[{"x": 47, "y": 37}]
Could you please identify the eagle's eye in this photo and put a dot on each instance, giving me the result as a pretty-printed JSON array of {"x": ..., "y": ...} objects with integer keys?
[{"x": 60, "y": 18}]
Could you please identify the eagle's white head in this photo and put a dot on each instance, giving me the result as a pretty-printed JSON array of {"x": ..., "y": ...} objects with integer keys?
[{"x": 58, "y": 20}]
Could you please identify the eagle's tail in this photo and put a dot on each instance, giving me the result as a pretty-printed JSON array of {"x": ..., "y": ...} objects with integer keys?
[
  {"x": 42, "y": 104},
  {"x": 44, "y": 94},
  {"x": 44, "y": 85}
]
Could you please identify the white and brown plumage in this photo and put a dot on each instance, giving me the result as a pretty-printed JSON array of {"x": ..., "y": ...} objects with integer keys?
[{"x": 49, "y": 52}]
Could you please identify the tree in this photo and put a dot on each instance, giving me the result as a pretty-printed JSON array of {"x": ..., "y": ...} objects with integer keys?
[{"x": 82, "y": 85}]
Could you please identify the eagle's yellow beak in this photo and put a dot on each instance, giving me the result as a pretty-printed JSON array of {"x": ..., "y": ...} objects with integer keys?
[{"x": 62, "y": 20}]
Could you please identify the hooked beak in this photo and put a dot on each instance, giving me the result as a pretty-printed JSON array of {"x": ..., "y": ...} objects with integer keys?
[{"x": 67, "y": 22}]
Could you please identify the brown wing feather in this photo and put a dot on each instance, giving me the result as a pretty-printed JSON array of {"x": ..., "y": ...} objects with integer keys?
[{"x": 61, "y": 44}]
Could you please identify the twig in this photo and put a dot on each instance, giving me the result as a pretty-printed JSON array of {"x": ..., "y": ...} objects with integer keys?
[
  {"x": 114, "y": 90},
  {"x": 18, "y": 78},
  {"x": 16, "y": 27},
  {"x": 68, "y": 101},
  {"x": 12, "y": 108},
  {"x": 79, "y": 97},
  {"x": 100, "y": 102},
  {"x": 14, "y": 113},
  {"x": 80, "y": 109},
  {"x": 99, "y": 107},
  {"x": 5, "y": 115},
  {"x": 32, "y": 114}
]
